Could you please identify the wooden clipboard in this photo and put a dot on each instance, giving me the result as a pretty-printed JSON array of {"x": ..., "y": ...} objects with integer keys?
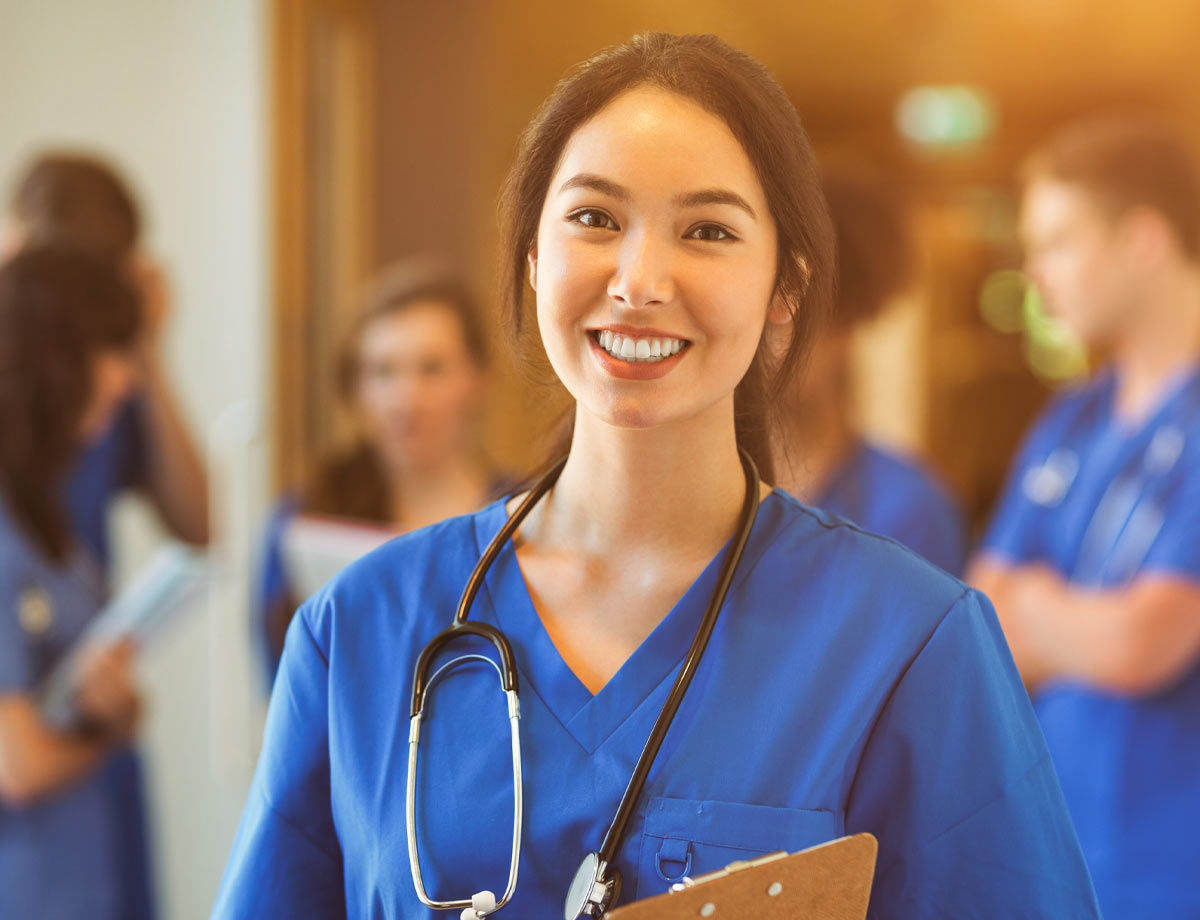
[{"x": 827, "y": 882}]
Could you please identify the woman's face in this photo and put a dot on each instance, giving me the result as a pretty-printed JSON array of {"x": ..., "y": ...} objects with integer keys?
[
  {"x": 655, "y": 263},
  {"x": 418, "y": 387},
  {"x": 114, "y": 376}
]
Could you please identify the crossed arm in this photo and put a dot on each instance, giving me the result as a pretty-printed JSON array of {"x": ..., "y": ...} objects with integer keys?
[{"x": 1133, "y": 641}]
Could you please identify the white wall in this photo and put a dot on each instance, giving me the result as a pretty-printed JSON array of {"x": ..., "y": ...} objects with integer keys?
[{"x": 175, "y": 92}]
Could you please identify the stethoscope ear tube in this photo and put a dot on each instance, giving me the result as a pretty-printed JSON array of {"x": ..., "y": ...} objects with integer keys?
[{"x": 461, "y": 625}]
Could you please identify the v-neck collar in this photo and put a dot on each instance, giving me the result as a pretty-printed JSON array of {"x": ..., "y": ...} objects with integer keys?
[{"x": 506, "y": 603}]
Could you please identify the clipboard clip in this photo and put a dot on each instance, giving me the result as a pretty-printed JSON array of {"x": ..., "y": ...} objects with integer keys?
[{"x": 737, "y": 866}]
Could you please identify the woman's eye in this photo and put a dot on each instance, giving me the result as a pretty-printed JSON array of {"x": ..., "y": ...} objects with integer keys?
[
  {"x": 712, "y": 233},
  {"x": 590, "y": 217}
]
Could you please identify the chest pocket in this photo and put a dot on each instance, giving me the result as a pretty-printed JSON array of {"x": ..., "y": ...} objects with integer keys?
[{"x": 691, "y": 837}]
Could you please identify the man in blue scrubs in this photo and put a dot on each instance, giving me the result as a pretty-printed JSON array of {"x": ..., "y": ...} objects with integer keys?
[
  {"x": 824, "y": 460},
  {"x": 1093, "y": 556},
  {"x": 82, "y": 201}
]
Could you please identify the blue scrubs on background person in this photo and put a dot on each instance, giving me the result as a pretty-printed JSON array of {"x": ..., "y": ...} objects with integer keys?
[
  {"x": 822, "y": 456},
  {"x": 848, "y": 686},
  {"x": 113, "y": 463},
  {"x": 889, "y": 494},
  {"x": 1102, "y": 503},
  {"x": 57, "y": 855}
]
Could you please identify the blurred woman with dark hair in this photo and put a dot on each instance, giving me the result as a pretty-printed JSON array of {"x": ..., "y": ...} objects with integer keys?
[
  {"x": 412, "y": 372},
  {"x": 821, "y": 457},
  {"x": 69, "y": 326}
]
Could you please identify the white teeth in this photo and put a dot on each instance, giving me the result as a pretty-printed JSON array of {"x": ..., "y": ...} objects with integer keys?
[{"x": 634, "y": 350}]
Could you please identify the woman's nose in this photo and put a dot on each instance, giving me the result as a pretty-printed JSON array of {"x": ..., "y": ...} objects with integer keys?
[{"x": 643, "y": 276}]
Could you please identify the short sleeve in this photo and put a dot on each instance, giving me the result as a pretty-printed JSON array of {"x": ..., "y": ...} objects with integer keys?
[
  {"x": 286, "y": 860},
  {"x": 957, "y": 785}
]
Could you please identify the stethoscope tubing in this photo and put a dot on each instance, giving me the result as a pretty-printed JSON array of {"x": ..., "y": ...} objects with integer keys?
[
  {"x": 733, "y": 555},
  {"x": 507, "y": 670}
]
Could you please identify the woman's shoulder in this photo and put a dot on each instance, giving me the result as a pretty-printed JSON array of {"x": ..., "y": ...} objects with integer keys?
[
  {"x": 862, "y": 579},
  {"x": 399, "y": 582}
]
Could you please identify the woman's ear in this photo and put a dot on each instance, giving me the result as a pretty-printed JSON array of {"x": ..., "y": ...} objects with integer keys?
[
  {"x": 531, "y": 258},
  {"x": 779, "y": 313}
]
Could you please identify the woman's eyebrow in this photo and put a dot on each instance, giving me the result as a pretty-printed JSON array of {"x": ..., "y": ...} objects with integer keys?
[
  {"x": 700, "y": 197},
  {"x": 715, "y": 196},
  {"x": 596, "y": 184}
]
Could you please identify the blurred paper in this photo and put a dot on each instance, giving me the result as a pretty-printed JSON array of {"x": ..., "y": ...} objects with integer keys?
[
  {"x": 317, "y": 548},
  {"x": 169, "y": 585}
]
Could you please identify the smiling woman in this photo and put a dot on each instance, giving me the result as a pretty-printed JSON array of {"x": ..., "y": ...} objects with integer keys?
[{"x": 711, "y": 670}]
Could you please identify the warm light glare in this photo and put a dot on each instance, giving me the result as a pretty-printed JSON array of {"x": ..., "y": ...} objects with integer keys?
[
  {"x": 1009, "y": 303},
  {"x": 945, "y": 116}
]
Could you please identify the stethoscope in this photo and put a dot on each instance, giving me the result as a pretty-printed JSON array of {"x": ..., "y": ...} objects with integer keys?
[
  {"x": 597, "y": 883},
  {"x": 1125, "y": 523}
]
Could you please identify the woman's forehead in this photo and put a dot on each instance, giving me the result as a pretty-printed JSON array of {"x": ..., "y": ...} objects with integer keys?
[{"x": 649, "y": 139}]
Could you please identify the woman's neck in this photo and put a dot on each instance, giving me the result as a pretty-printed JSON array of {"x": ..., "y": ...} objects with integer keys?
[
  {"x": 423, "y": 495},
  {"x": 632, "y": 491}
]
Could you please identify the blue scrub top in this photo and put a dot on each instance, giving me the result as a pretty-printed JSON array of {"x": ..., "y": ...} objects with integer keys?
[
  {"x": 116, "y": 461},
  {"x": 57, "y": 861},
  {"x": 1104, "y": 503},
  {"x": 893, "y": 495},
  {"x": 848, "y": 686},
  {"x": 272, "y": 586}
]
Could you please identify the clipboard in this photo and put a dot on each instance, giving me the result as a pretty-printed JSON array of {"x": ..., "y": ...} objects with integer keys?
[
  {"x": 315, "y": 548},
  {"x": 169, "y": 585},
  {"x": 827, "y": 882}
]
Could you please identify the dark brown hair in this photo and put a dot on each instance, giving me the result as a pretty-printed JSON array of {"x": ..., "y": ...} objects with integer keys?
[
  {"x": 741, "y": 92},
  {"x": 351, "y": 483},
  {"x": 1126, "y": 161},
  {"x": 80, "y": 200},
  {"x": 59, "y": 308},
  {"x": 874, "y": 243}
]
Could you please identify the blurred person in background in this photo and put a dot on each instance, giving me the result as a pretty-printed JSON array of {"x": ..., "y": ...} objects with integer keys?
[
  {"x": 69, "y": 326},
  {"x": 1092, "y": 557},
  {"x": 821, "y": 457},
  {"x": 81, "y": 201},
  {"x": 412, "y": 372}
]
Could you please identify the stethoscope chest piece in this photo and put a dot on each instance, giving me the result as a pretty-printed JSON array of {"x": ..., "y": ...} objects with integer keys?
[{"x": 594, "y": 889}]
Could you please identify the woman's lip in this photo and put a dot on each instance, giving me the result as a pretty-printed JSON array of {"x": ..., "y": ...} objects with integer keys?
[
  {"x": 637, "y": 332},
  {"x": 628, "y": 370}
]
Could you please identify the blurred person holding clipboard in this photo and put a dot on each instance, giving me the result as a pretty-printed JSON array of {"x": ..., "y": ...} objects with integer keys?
[
  {"x": 650, "y": 659},
  {"x": 73, "y": 198},
  {"x": 69, "y": 326},
  {"x": 412, "y": 372}
]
